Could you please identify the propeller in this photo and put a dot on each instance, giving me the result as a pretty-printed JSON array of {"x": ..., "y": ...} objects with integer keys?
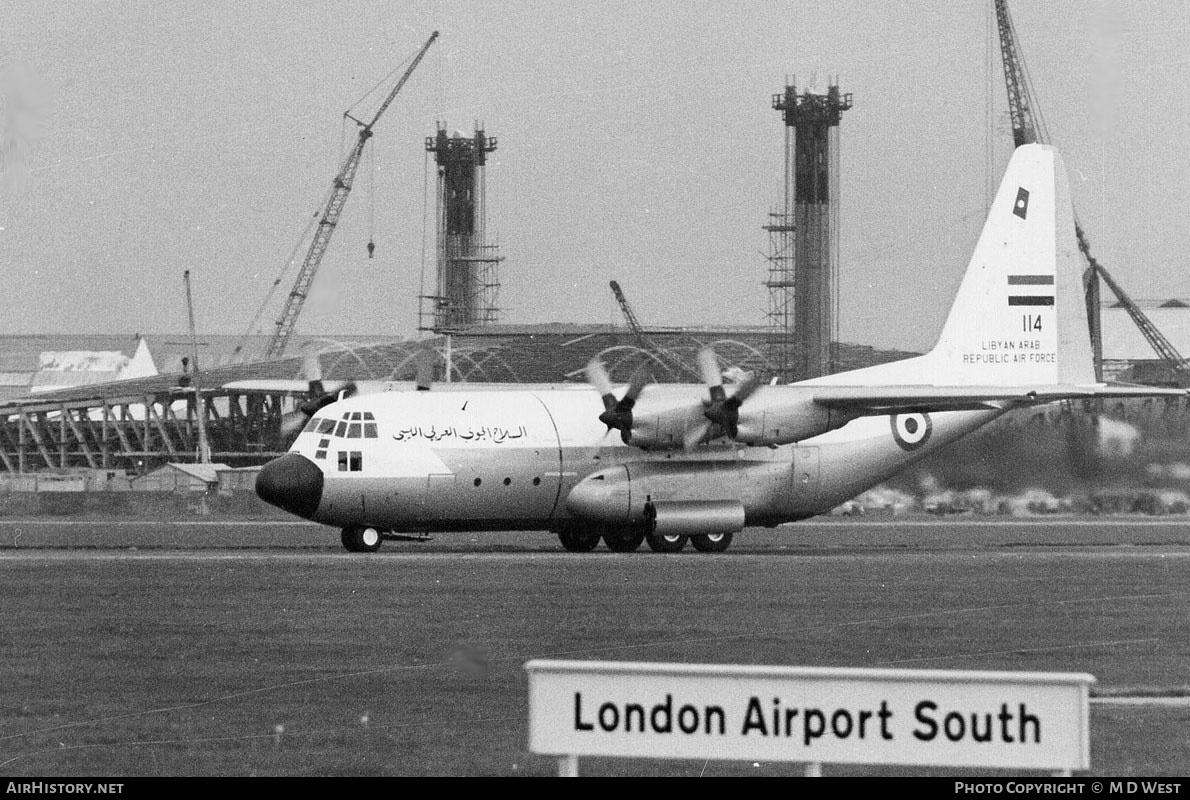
[
  {"x": 720, "y": 409},
  {"x": 317, "y": 397},
  {"x": 617, "y": 414}
]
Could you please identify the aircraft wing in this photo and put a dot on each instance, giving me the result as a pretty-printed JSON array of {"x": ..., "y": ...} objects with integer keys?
[
  {"x": 283, "y": 385},
  {"x": 278, "y": 385},
  {"x": 874, "y": 400}
]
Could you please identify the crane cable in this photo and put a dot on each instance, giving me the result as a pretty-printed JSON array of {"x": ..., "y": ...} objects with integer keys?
[
  {"x": 371, "y": 154},
  {"x": 371, "y": 198},
  {"x": 252, "y": 325}
]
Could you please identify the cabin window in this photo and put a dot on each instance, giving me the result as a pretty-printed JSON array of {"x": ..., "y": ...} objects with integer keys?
[
  {"x": 320, "y": 454},
  {"x": 311, "y": 425},
  {"x": 324, "y": 443},
  {"x": 370, "y": 430},
  {"x": 368, "y": 415},
  {"x": 325, "y": 426},
  {"x": 342, "y": 461},
  {"x": 356, "y": 415},
  {"x": 353, "y": 430},
  {"x": 341, "y": 429},
  {"x": 356, "y": 461}
]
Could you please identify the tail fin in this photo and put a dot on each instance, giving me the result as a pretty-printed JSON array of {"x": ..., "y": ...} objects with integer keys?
[{"x": 1020, "y": 316}]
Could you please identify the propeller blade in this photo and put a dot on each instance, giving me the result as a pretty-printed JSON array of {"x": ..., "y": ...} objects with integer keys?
[
  {"x": 747, "y": 386},
  {"x": 720, "y": 409},
  {"x": 292, "y": 423},
  {"x": 597, "y": 376},
  {"x": 636, "y": 384},
  {"x": 617, "y": 414},
  {"x": 312, "y": 367},
  {"x": 696, "y": 435},
  {"x": 708, "y": 367},
  {"x": 318, "y": 399}
]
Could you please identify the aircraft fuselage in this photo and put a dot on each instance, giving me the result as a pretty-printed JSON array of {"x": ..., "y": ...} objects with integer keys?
[{"x": 535, "y": 459}]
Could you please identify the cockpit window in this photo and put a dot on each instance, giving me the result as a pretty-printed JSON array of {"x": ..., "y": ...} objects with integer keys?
[
  {"x": 351, "y": 461},
  {"x": 346, "y": 428}
]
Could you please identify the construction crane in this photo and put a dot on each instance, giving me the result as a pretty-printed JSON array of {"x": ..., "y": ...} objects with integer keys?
[
  {"x": 1028, "y": 128},
  {"x": 341, "y": 187},
  {"x": 644, "y": 342},
  {"x": 1021, "y": 101},
  {"x": 1169, "y": 354}
]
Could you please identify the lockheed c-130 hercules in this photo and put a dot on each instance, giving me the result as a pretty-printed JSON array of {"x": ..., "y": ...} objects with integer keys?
[{"x": 699, "y": 463}]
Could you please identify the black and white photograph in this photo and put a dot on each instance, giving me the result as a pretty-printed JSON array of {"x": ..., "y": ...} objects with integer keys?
[{"x": 411, "y": 388}]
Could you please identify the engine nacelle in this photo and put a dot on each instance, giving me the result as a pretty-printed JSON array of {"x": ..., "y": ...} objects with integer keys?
[
  {"x": 665, "y": 429},
  {"x": 780, "y": 415},
  {"x": 623, "y": 495}
]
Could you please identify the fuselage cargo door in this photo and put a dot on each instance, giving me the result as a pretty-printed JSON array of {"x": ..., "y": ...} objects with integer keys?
[{"x": 440, "y": 487}]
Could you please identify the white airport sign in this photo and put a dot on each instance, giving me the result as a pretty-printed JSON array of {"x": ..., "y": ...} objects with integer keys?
[{"x": 1016, "y": 720}]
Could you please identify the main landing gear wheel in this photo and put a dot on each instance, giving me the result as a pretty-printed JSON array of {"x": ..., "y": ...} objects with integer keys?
[
  {"x": 623, "y": 540},
  {"x": 711, "y": 542},
  {"x": 361, "y": 540},
  {"x": 577, "y": 540},
  {"x": 666, "y": 542}
]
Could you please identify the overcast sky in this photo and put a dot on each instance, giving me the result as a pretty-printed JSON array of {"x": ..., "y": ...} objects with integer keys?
[{"x": 636, "y": 143}]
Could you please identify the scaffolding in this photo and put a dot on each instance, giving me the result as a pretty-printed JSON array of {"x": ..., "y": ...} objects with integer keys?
[
  {"x": 467, "y": 280},
  {"x": 803, "y": 236},
  {"x": 137, "y": 432}
]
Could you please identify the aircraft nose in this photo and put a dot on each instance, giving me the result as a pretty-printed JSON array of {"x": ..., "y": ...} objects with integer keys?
[{"x": 291, "y": 482}]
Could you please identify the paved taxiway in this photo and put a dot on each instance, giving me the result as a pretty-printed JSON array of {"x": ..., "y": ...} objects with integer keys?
[
  {"x": 178, "y": 647},
  {"x": 822, "y": 534}
]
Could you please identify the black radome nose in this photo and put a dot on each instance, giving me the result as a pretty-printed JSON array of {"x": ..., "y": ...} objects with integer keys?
[{"x": 291, "y": 482}]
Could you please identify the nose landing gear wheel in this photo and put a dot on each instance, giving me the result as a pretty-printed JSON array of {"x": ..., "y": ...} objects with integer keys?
[
  {"x": 711, "y": 542},
  {"x": 361, "y": 540},
  {"x": 666, "y": 542}
]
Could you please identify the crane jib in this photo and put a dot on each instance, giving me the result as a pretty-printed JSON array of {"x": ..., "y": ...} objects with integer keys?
[{"x": 330, "y": 217}]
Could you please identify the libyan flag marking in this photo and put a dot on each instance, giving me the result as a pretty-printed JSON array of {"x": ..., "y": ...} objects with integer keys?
[{"x": 1021, "y": 206}]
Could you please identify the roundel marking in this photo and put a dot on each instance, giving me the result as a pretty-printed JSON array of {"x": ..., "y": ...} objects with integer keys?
[{"x": 911, "y": 431}]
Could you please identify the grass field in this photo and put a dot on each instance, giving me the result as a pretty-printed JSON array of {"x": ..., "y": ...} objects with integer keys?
[{"x": 123, "y": 656}]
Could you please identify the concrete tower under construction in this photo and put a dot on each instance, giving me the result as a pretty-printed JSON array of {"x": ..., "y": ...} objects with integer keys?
[
  {"x": 803, "y": 235},
  {"x": 467, "y": 279}
]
